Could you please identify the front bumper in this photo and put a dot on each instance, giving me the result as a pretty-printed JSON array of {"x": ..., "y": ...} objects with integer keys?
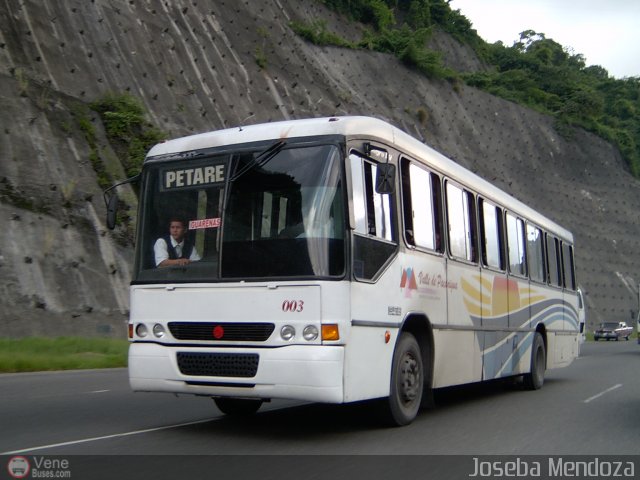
[
  {"x": 606, "y": 335},
  {"x": 298, "y": 372}
]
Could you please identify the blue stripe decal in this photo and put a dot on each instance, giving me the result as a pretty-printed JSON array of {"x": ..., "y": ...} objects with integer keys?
[{"x": 503, "y": 350}]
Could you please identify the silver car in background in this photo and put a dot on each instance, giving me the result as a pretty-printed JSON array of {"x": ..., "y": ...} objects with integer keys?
[{"x": 613, "y": 330}]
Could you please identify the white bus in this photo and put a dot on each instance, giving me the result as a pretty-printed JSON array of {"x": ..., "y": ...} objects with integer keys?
[{"x": 338, "y": 260}]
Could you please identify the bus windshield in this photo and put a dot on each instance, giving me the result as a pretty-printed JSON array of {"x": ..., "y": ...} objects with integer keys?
[{"x": 257, "y": 215}]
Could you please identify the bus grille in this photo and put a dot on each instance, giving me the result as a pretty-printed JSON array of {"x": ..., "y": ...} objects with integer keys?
[
  {"x": 230, "y": 332},
  {"x": 218, "y": 364}
]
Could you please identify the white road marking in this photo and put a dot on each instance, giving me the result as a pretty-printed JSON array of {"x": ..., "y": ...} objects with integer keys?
[
  {"x": 105, "y": 437},
  {"x": 603, "y": 393},
  {"x": 99, "y": 391}
]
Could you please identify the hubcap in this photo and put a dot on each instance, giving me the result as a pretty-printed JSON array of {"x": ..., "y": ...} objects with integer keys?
[{"x": 409, "y": 378}]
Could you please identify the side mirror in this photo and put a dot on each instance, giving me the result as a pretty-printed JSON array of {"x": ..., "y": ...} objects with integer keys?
[
  {"x": 111, "y": 201},
  {"x": 385, "y": 178},
  {"x": 112, "y": 211}
]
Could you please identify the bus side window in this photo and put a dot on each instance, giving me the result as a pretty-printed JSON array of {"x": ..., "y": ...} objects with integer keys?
[
  {"x": 438, "y": 211},
  {"x": 375, "y": 239},
  {"x": 461, "y": 223},
  {"x": 553, "y": 262},
  {"x": 407, "y": 210},
  {"x": 421, "y": 206},
  {"x": 491, "y": 235},
  {"x": 373, "y": 212},
  {"x": 515, "y": 245},
  {"x": 535, "y": 253},
  {"x": 568, "y": 268}
]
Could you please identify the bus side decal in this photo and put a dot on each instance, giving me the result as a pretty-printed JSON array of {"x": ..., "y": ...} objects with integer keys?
[{"x": 504, "y": 334}]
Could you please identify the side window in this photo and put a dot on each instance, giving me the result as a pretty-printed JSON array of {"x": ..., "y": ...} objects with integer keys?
[
  {"x": 553, "y": 261},
  {"x": 569, "y": 274},
  {"x": 535, "y": 253},
  {"x": 515, "y": 245},
  {"x": 490, "y": 235},
  {"x": 460, "y": 222},
  {"x": 375, "y": 239},
  {"x": 372, "y": 210},
  {"x": 421, "y": 205}
]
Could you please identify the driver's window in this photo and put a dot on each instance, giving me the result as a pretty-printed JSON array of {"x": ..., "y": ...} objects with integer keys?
[
  {"x": 372, "y": 210},
  {"x": 375, "y": 239}
]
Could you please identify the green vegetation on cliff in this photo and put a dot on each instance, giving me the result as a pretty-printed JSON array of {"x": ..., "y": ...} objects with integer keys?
[
  {"x": 542, "y": 74},
  {"x": 129, "y": 133},
  {"x": 535, "y": 71},
  {"x": 406, "y": 42}
]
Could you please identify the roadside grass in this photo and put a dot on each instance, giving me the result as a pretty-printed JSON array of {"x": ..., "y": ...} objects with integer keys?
[{"x": 36, "y": 354}]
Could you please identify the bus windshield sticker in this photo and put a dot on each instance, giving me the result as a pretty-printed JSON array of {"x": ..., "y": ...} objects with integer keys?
[{"x": 204, "y": 223}]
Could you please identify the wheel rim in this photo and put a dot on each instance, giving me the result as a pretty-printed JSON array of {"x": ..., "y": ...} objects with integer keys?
[{"x": 410, "y": 375}]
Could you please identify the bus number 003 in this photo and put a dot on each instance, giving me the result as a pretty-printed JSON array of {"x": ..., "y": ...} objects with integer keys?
[{"x": 293, "y": 305}]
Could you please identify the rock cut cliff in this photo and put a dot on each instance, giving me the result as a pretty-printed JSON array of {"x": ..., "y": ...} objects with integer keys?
[{"x": 203, "y": 65}]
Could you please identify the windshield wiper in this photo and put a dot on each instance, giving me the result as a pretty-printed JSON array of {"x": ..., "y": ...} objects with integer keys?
[{"x": 260, "y": 160}]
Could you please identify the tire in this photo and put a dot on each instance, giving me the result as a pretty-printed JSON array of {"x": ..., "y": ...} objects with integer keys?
[
  {"x": 535, "y": 378},
  {"x": 407, "y": 382},
  {"x": 238, "y": 406}
]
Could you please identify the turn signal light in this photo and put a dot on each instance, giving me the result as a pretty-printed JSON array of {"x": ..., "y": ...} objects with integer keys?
[{"x": 330, "y": 332}]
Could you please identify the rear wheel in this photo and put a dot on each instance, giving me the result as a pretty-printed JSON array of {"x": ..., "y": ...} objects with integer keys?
[
  {"x": 238, "y": 406},
  {"x": 535, "y": 378},
  {"x": 407, "y": 381}
]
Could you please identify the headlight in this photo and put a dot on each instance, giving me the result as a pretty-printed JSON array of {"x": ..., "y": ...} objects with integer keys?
[
  {"x": 158, "y": 330},
  {"x": 141, "y": 330},
  {"x": 310, "y": 333},
  {"x": 287, "y": 332}
]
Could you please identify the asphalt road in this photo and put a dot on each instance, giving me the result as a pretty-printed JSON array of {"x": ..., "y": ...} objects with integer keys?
[{"x": 591, "y": 407}]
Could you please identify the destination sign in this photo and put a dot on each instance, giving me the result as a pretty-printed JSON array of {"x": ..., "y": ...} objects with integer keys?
[{"x": 193, "y": 177}]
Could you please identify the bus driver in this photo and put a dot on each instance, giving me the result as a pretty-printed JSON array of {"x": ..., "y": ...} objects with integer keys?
[{"x": 175, "y": 248}]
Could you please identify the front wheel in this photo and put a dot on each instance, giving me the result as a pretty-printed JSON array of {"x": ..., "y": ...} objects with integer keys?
[
  {"x": 237, "y": 406},
  {"x": 407, "y": 381},
  {"x": 535, "y": 378}
]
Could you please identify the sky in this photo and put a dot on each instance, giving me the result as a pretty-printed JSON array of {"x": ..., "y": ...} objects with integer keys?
[{"x": 605, "y": 32}]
